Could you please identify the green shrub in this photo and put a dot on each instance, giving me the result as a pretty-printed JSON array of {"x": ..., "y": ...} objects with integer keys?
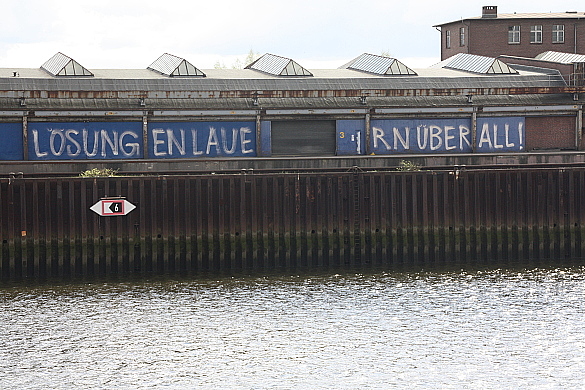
[
  {"x": 408, "y": 166},
  {"x": 99, "y": 172}
]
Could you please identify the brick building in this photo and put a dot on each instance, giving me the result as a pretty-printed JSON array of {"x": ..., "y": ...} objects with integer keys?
[{"x": 523, "y": 35}]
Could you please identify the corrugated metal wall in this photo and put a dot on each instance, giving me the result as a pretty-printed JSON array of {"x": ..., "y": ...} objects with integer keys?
[
  {"x": 303, "y": 138},
  {"x": 189, "y": 224}
]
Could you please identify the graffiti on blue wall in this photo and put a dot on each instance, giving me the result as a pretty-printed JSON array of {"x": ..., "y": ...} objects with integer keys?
[
  {"x": 124, "y": 140},
  {"x": 201, "y": 139},
  {"x": 11, "y": 147},
  {"x": 89, "y": 140},
  {"x": 421, "y": 136},
  {"x": 500, "y": 134},
  {"x": 390, "y": 136}
]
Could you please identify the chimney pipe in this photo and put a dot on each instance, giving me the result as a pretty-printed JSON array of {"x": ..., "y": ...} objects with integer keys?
[{"x": 489, "y": 11}]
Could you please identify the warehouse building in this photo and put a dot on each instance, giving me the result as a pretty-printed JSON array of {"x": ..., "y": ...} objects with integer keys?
[{"x": 277, "y": 110}]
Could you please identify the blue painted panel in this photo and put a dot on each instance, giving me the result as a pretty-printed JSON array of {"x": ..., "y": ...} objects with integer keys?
[
  {"x": 201, "y": 139},
  {"x": 84, "y": 140},
  {"x": 500, "y": 134},
  {"x": 351, "y": 137},
  {"x": 11, "y": 147},
  {"x": 421, "y": 136},
  {"x": 265, "y": 138}
]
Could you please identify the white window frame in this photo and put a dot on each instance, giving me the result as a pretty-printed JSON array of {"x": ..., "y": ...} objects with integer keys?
[
  {"x": 513, "y": 35},
  {"x": 461, "y": 36},
  {"x": 448, "y": 39},
  {"x": 536, "y": 34},
  {"x": 558, "y": 33}
]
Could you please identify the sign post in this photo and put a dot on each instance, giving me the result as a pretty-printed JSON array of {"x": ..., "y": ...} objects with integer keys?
[{"x": 111, "y": 207}]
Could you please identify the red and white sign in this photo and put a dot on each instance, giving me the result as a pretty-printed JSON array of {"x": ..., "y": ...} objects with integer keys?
[{"x": 112, "y": 207}]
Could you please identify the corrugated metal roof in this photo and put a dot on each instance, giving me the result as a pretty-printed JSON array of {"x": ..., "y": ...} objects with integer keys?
[
  {"x": 563, "y": 58},
  {"x": 278, "y": 66},
  {"x": 476, "y": 64},
  {"x": 379, "y": 65},
  {"x": 275, "y": 103},
  {"x": 171, "y": 65},
  {"x": 193, "y": 87},
  {"x": 114, "y": 83},
  {"x": 62, "y": 65}
]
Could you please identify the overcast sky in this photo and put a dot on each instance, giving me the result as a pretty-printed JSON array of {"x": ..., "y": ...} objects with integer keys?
[{"x": 131, "y": 34}]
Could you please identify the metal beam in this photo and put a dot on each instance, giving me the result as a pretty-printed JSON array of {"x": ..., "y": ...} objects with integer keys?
[
  {"x": 531, "y": 108},
  {"x": 319, "y": 111},
  {"x": 416, "y": 110}
]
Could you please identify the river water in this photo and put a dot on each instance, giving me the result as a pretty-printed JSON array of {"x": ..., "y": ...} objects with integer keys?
[{"x": 478, "y": 329}]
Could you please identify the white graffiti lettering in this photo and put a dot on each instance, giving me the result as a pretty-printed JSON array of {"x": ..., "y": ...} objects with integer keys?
[
  {"x": 73, "y": 143},
  {"x": 223, "y": 142},
  {"x": 38, "y": 152},
  {"x": 449, "y": 137},
  {"x": 464, "y": 137},
  {"x": 430, "y": 137},
  {"x": 54, "y": 134},
  {"x": 157, "y": 142},
  {"x": 491, "y": 137},
  {"x": 196, "y": 152},
  {"x": 94, "y": 152},
  {"x": 244, "y": 131},
  {"x": 212, "y": 140},
  {"x": 69, "y": 136},
  {"x": 405, "y": 141},
  {"x": 107, "y": 140},
  {"x": 134, "y": 146},
  {"x": 379, "y": 136},
  {"x": 520, "y": 135},
  {"x": 174, "y": 141},
  {"x": 435, "y": 132},
  {"x": 507, "y": 131},
  {"x": 424, "y": 137}
]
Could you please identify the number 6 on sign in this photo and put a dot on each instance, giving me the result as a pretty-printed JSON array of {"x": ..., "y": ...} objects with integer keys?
[{"x": 112, "y": 207}]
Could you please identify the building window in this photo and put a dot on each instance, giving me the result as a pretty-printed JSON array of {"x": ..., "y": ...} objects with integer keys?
[
  {"x": 536, "y": 34},
  {"x": 514, "y": 34},
  {"x": 448, "y": 39},
  {"x": 462, "y": 36},
  {"x": 558, "y": 33}
]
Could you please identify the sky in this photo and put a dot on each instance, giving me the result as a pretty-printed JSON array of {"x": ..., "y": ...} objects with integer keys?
[{"x": 318, "y": 34}]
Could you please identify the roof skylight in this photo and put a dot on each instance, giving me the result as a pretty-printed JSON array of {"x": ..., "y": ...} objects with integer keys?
[
  {"x": 563, "y": 58},
  {"x": 476, "y": 64},
  {"x": 62, "y": 65},
  {"x": 380, "y": 65},
  {"x": 171, "y": 66},
  {"x": 278, "y": 66}
]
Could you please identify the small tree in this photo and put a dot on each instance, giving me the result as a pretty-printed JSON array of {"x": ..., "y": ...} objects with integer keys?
[
  {"x": 251, "y": 57},
  {"x": 219, "y": 65},
  {"x": 239, "y": 63}
]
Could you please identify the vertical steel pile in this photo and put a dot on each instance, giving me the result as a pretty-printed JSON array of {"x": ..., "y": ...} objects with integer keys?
[{"x": 189, "y": 224}]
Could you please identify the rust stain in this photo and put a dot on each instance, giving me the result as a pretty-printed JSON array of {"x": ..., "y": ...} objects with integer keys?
[
  {"x": 357, "y": 216},
  {"x": 317, "y": 93}
]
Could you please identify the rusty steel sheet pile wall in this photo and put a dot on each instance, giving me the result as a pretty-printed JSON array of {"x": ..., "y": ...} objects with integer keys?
[{"x": 190, "y": 224}]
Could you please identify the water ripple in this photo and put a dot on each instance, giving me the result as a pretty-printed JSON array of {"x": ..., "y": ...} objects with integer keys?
[{"x": 489, "y": 329}]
